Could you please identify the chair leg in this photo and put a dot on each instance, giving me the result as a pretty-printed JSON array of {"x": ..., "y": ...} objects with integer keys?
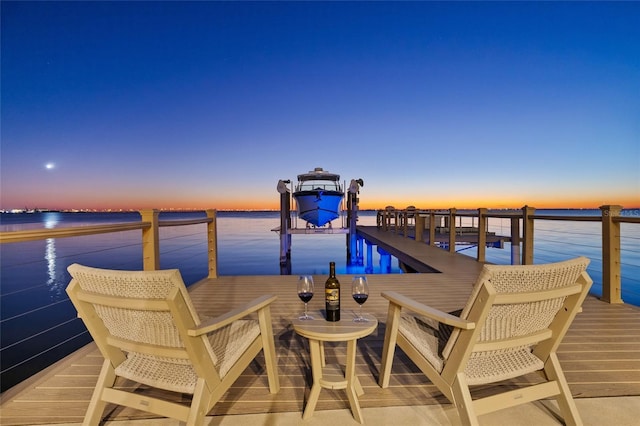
[
  {"x": 199, "y": 404},
  {"x": 567, "y": 405},
  {"x": 389, "y": 347},
  {"x": 106, "y": 379},
  {"x": 268, "y": 347},
  {"x": 463, "y": 402}
]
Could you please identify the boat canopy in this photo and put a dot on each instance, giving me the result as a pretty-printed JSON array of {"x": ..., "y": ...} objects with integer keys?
[{"x": 318, "y": 174}]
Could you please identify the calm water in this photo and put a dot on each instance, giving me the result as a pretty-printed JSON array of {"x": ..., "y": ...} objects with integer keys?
[{"x": 39, "y": 326}]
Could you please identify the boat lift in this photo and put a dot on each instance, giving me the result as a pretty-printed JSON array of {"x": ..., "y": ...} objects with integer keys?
[{"x": 348, "y": 227}]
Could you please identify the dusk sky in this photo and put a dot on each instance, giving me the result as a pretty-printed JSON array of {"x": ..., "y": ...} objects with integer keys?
[{"x": 208, "y": 104}]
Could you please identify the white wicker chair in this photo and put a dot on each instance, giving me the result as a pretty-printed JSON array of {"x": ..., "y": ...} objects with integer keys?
[
  {"x": 149, "y": 332},
  {"x": 511, "y": 326}
]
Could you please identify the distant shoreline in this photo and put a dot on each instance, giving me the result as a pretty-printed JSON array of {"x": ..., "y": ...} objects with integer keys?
[{"x": 91, "y": 211}]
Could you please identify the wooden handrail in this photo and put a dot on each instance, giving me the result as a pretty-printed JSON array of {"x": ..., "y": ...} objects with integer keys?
[
  {"x": 77, "y": 231},
  {"x": 149, "y": 226},
  {"x": 626, "y": 219},
  {"x": 611, "y": 218}
]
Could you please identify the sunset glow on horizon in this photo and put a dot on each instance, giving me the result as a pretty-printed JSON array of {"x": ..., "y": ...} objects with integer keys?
[
  {"x": 200, "y": 105},
  {"x": 470, "y": 202}
]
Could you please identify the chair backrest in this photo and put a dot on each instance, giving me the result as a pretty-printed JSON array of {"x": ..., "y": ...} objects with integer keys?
[
  {"x": 527, "y": 298},
  {"x": 140, "y": 312}
]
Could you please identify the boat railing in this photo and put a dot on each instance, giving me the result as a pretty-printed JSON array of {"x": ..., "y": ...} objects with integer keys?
[{"x": 522, "y": 234}]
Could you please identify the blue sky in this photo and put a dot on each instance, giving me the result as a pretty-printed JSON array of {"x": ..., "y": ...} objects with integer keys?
[{"x": 208, "y": 104}]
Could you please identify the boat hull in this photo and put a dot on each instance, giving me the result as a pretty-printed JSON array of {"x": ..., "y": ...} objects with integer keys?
[{"x": 318, "y": 207}]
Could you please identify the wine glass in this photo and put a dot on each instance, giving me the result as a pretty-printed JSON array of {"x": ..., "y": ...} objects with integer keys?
[
  {"x": 360, "y": 293},
  {"x": 305, "y": 293}
]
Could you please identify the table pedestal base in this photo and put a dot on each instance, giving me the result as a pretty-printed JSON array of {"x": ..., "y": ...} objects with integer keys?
[{"x": 332, "y": 377}]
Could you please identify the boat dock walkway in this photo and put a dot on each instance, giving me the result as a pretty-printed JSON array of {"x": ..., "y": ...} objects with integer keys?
[{"x": 419, "y": 256}]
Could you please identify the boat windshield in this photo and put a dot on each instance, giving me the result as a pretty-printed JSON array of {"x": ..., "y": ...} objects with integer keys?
[
  {"x": 319, "y": 180},
  {"x": 319, "y": 185}
]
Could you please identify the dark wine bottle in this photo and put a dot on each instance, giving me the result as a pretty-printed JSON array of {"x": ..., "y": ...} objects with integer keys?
[{"x": 332, "y": 294}]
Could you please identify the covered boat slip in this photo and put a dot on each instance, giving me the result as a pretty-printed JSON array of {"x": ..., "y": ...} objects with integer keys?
[{"x": 600, "y": 354}]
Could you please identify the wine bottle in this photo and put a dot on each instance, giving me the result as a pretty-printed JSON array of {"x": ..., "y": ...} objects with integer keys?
[{"x": 332, "y": 294}]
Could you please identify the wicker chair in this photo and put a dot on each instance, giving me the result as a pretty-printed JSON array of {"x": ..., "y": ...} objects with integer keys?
[
  {"x": 511, "y": 326},
  {"x": 148, "y": 331}
]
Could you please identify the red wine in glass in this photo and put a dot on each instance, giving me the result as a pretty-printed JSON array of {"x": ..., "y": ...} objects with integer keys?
[
  {"x": 306, "y": 296},
  {"x": 360, "y": 293},
  {"x": 360, "y": 298},
  {"x": 305, "y": 293}
]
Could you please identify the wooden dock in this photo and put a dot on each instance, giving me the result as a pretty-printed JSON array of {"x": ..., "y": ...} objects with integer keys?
[
  {"x": 421, "y": 257},
  {"x": 465, "y": 235},
  {"x": 600, "y": 354}
]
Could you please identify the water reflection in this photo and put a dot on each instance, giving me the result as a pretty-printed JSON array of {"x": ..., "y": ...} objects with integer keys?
[{"x": 55, "y": 287}]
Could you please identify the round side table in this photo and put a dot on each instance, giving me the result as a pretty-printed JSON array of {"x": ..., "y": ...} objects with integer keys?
[{"x": 325, "y": 376}]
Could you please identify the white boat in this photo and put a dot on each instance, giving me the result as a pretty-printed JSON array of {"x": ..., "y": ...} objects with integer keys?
[{"x": 318, "y": 195}]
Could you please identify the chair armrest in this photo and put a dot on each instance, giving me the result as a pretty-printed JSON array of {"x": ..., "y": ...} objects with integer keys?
[
  {"x": 427, "y": 311},
  {"x": 233, "y": 315}
]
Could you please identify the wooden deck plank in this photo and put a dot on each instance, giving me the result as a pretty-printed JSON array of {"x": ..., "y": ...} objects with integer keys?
[{"x": 601, "y": 353}]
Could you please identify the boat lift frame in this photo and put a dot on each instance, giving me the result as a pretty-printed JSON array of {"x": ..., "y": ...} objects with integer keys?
[{"x": 354, "y": 246}]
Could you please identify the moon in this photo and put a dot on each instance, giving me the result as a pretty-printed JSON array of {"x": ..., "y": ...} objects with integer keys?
[{"x": 50, "y": 166}]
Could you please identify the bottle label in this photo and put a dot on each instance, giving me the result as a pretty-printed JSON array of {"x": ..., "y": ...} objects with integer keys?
[{"x": 332, "y": 296}]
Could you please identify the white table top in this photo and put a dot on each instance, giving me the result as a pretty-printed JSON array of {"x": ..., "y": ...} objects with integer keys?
[{"x": 339, "y": 331}]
